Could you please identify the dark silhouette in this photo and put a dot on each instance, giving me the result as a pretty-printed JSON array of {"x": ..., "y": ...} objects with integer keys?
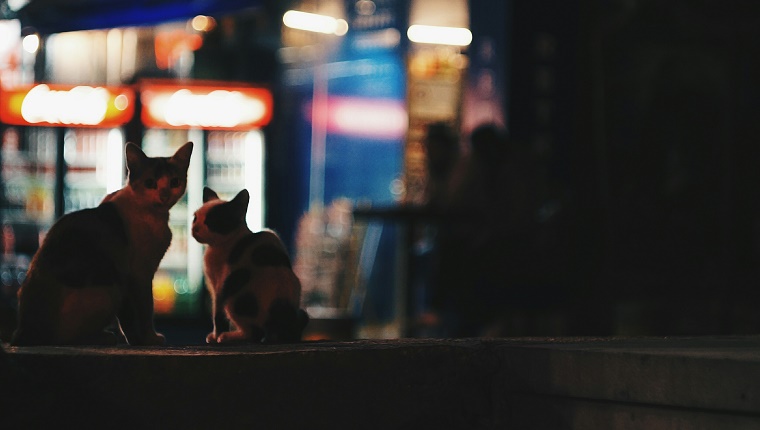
[
  {"x": 484, "y": 237},
  {"x": 442, "y": 155}
]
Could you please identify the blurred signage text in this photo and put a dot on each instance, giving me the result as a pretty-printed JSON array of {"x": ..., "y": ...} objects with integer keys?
[
  {"x": 66, "y": 105},
  {"x": 206, "y": 107}
]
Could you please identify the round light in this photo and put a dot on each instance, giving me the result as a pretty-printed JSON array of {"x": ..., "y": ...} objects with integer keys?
[
  {"x": 31, "y": 43},
  {"x": 203, "y": 23},
  {"x": 121, "y": 102},
  {"x": 341, "y": 27},
  {"x": 365, "y": 7}
]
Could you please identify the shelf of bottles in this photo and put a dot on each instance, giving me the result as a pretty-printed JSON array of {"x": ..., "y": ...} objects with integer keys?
[
  {"x": 28, "y": 173},
  {"x": 27, "y": 193},
  {"x": 226, "y": 161},
  {"x": 235, "y": 161},
  {"x": 94, "y": 166},
  {"x": 177, "y": 284}
]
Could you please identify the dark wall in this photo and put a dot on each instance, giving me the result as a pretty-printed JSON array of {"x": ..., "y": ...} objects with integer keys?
[{"x": 646, "y": 134}]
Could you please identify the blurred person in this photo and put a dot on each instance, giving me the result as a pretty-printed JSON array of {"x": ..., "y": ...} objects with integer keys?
[
  {"x": 442, "y": 152},
  {"x": 482, "y": 240}
]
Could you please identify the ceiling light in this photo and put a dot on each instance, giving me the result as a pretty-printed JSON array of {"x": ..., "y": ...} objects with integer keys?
[
  {"x": 455, "y": 36},
  {"x": 315, "y": 22}
]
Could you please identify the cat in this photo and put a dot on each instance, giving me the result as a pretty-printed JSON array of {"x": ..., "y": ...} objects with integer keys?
[
  {"x": 248, "y": 275},
  {"x": 95, "y": 266}
]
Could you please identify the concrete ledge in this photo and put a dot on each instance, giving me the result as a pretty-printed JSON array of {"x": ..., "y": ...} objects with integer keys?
[
  {"x": 468, "y": 383},
  {"x": 680, "y": 383}
]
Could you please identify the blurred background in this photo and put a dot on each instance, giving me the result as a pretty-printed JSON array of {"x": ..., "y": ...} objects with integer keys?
[{"x": 437, "y": 168}]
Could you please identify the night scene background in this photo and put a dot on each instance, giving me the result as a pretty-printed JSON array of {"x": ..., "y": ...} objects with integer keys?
[{"x": 628, "y": 178}]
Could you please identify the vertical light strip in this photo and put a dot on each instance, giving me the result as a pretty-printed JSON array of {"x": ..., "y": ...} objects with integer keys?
[
  {"x": 253, "y": 169},
  {"x": 114, "y": 160},
  {"x": 113, "y": 56},
  {"x": 194, "y": 192},
  {"x": 319, "y": 112},
  {"x": 129, "y": 53}
]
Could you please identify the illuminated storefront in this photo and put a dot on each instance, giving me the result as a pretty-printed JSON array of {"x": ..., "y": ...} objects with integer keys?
[
  {"x": 224, "y": 121},
  {"x": 364, "y": 79},
  {"x": 62, "y": 148},
  {"x": 359, "y": 83}
]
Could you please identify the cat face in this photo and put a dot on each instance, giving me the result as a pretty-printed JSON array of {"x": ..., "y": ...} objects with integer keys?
[
  {"x": 159, "y": 181},
  {"x": 218, "y": 219}
]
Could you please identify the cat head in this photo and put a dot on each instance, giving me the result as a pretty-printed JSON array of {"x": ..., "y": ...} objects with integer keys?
[
  {"x": 159, "y": 181},
  {"x": 216, "y": 219}
]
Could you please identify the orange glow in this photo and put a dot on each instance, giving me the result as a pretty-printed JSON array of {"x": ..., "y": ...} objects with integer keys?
[
  {"x": 164, "y": 295},
  {"x": 206, "y": 106},
  {"x": 169, "y": 45},
  {"x": 66, "y": 105}
]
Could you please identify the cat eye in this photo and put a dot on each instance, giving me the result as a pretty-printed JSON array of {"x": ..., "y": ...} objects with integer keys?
[
  {"x": 174, "y": 183},
  {"x": 150, "y": 183}
]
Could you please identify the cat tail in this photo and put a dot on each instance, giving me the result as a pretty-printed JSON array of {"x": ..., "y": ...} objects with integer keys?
[
  {"x": 35, "y": 322},
  {"x": 285, "y": 323}
]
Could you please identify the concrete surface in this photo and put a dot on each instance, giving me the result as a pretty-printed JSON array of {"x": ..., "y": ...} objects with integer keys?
[{"x": 578, "y": 383}]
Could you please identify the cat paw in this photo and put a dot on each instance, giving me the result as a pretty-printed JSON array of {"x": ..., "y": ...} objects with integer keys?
[
  {"x": 231, "y": 336},
  {"x": 158, "y": 339},
  {"x": 211, "y": 338},
  {"x": 154, "y": 339}
]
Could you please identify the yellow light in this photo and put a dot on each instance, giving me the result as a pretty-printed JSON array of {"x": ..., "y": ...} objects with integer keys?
[
  {"x": 164, "y": 295},
  {"x": 455, "y": 36},
  {"x": 203, "y": 23},
  {"x": 315, "y": 22},
  {"x": 121, "y": 102},
  {"x": 31, "y": 43}
]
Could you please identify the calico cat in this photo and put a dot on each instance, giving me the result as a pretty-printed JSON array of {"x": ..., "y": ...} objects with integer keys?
[
  {"x": 249, "y": 276},
  {"x": 95, "y": 266}
]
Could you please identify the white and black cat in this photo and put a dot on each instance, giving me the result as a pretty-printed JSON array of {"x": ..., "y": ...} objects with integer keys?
[
  {"x": 96, "y": 266},
  {"x": 249, "y": 276}
]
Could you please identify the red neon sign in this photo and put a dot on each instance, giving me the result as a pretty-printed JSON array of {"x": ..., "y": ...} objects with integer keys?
[
  {"x": 52, "y": 105},
  {"x": 205, "y": 106},
  {"x": 384, "y": 119}
]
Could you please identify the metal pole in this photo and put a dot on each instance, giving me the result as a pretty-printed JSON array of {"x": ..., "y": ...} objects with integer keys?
[
  {"x": 318, "y": 137},
  {"x": 60, "y": 172}
]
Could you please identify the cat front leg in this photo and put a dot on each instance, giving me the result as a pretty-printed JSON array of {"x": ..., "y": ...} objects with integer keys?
[
  {"x": 136, "y": 315},
  {"x": 221, "y": 324}
]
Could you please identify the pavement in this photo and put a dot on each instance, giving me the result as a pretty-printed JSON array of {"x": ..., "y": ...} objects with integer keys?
[{"x": 524, "y": 383}]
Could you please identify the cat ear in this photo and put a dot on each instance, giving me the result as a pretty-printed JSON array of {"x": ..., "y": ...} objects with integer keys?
[
  {"x": 209, "y": 194},
  {"x": 240, "y": 202},
  {"x": 135, "y": 158},
  {"x": 182, "y": 156}
]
